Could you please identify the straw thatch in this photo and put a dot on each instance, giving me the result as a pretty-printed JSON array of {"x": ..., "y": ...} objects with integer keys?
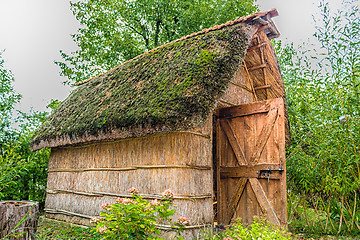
[{"x": 171, "y": 88}]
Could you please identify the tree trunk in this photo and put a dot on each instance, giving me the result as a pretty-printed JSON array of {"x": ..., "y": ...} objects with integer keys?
[{"x": 18, "y": 219}]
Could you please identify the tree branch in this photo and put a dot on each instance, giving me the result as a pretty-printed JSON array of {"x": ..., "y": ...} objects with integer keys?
[
  {"x": 157, "y": 32},
  {"x": 143, "y": 33}
]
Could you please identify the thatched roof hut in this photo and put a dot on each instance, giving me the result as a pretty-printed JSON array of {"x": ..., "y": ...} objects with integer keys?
[{"x": 149, "y": 123}]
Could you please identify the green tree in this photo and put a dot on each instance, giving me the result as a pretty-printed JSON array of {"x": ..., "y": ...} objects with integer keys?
[
  {"x": 114, "y": 31},
  {"x": 22, "y": 172},
  {"x": 8, "y": 99}
]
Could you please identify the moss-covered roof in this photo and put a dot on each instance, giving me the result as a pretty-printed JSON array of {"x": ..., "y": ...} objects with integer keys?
[{"x": 171, "y": 88}]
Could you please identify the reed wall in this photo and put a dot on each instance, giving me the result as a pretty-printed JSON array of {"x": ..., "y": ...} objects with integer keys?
[{"x": 82, "y": 178}]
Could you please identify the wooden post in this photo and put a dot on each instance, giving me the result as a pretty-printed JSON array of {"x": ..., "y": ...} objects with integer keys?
[{"x": 18, "y": 219}]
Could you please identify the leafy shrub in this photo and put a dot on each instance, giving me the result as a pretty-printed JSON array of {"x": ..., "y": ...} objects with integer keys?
[
  {"x": 23, "y": 173},
  {"x": 137, "y": 218},
  {"x": 259, "y": 229}
]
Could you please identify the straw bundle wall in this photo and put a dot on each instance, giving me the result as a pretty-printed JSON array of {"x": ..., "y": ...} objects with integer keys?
[
  {"x": 82, "y": 178},
  {"x": 259, "y": 77}
]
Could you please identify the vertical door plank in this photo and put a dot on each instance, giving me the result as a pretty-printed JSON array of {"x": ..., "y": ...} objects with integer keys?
[
  {"x": 282, "y": 160},
  {"x": 264, "y": 135},
  {"x": 229, "y": 132},
  {"x": 221, "y": 201},
  {"x": 263, "y": 201},
  {"x": 233, "y": 203}
]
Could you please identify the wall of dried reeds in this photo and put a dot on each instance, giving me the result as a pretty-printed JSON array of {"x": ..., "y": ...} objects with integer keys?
[
  {"x": 263, "y": 69},
  {"x": 82, "y": 178}
]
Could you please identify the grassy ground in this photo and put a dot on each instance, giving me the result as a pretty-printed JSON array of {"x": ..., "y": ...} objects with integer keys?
[{"x": 50, "y": 229}]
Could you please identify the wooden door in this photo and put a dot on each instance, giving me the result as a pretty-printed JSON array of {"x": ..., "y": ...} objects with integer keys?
[{"x": 251, "y": 178}]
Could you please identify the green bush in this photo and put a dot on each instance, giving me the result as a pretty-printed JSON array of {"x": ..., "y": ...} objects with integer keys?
[
  {"x": 137, "y": 218},
  {"x": 23, "y": 174},
  {"x": 259, "y": 229}
]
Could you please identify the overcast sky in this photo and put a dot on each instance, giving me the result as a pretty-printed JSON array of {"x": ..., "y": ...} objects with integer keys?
[{"x": 33, "y": 31}]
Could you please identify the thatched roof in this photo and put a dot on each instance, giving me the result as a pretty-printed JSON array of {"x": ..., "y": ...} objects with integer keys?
[{"x": 171, "y": 88}]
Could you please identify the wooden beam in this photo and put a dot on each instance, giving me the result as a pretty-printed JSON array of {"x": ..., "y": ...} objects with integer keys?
[
  {"x": 262, "y": 28},
  {"x": 250, "y": 81},
  {"x": 229, "y": 132},
  {"x": 241, "y": 86},
  {"x": 68, "y": 213},
  {"x": 263, "y": 201},
  {"x": 264, "y": 69},
  {"x": 262, "y": 87},
  {"x": 235, "y": 199},
  {"x": 257, "y": 67},
  {"x": 146, "y": 196},
  {"x": 243, "y": 110},
  {"x": 249, "y": 171},
  {"x": 131, "y": 168},
  {"x": 257, "y": 46},
  {"x": 159, "y": 226},
  {"x": 219, "y": 195}
]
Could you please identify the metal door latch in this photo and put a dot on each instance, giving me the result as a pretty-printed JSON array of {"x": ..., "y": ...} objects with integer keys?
[{"x": 265, "y": 173}]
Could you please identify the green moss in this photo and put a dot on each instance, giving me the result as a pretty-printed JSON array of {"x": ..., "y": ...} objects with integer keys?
[
  {"x": 151, "y": 53},
  {"x": 202, "y": 44},
  {"x": 206, "y": 57},
  {"x": 222, "y": 35},
  {"x": 176, "y": 44},
  {"x": 175, "y": 87}
]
